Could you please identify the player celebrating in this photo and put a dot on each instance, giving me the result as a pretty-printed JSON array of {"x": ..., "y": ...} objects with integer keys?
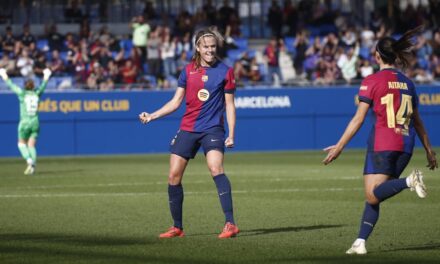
[
  {"x": 394, "y": 101},
  {"x": 209, "y": 86},
  {"x": 28, "y": 126}
]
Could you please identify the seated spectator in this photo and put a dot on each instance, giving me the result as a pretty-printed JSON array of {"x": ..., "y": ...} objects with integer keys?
[
  {"x": 40, "y": 64},
  {"x": 55, "y": 39},
  {"x": 181, "y": 62},
  {"x": 8, "y": 64},
  {"x": 347, "y": 64},
  {"x": 129, "y": 73},
  {"x": 27, "y": 40},
  {"x": 56, "y": 64},
  {"x": 254, "y": 71},
  {"x": 9, "y": 43},
  {"x": 366, "y": 69},
  {"x": 25, "y": 64},
  {"x": 73, "y": 13},
  {"x": 96, "y": 79}
]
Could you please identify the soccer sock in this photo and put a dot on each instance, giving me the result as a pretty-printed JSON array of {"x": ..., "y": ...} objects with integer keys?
[
  {"x": 33, "y": 154},
  {"x": 390, "y": 188},
  {"x": 369, "y": 220},
  {"x": 175, "y": 197},
  {"x": 225, "y": 196},
  {"x": 24, "y": 151}
]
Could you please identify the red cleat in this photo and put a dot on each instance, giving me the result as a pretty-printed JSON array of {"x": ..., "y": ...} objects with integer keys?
[
  {"x": 172, "y": 232},
  {"x": 230, "y": 230}
]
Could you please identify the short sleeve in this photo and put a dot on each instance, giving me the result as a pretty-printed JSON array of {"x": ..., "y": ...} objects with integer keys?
[
  {"x": 181, "y": 82},
  {"x": 415, "y": 97},
  {"x": 366, "y": 92},
  {"x": 230, "y": 81}
]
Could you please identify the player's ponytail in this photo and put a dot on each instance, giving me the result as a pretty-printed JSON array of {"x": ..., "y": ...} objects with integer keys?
[
  {"x": 208, "y": 32},
  {"x": 398, "y": 51}
]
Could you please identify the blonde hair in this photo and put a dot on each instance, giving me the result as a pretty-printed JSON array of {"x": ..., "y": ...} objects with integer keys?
[{"x": 208, "y": 32}]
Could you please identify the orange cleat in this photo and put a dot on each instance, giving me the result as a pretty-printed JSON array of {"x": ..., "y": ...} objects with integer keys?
[
  {"x": 230, "y": 230},
  {"x": 172, "y": 232}
]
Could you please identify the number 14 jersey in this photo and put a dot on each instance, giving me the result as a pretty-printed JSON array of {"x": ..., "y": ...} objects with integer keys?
[{"x": 393, "y": 97}]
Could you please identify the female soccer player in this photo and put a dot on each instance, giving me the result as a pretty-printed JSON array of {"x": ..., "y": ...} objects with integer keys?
[
  {"x": 29, "y": 125},
  {"x": 209, "y": 86},
  {"x": 394, "y": 101}
]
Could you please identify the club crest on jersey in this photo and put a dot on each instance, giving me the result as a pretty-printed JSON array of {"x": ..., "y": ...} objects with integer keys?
[
  {"x": 204, "y": 78},
  {"x": 203, "y": 94}
]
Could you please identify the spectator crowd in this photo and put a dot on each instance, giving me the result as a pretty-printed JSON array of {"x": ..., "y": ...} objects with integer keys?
[{"x": 322, "y": 48}]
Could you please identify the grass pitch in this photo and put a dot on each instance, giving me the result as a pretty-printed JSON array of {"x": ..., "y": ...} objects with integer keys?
[{"x": 290, "y": 209}]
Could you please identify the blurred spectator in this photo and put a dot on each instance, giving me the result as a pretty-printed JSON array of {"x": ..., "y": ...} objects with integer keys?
[
  {"x": 290, "y": 17},
  {"x": 96, "y": 78},
  {"x": 9, "y": 43},
  {"x": 224, "y": 14},
  {"x": 181, "y": 62},
  {"x": 8, "y": 64},
  {"x": 40, "y": 64},
  {"x": 153, "y": 48},
  {"x": 27, "y": 40},
  {"x": 211, "y": 12},
  {"x": 55, "y": 39},
  {"x": 56, "y": 64},
  {"x": 73, "y": 13},
  {"x": 149, "y": 11},
  {"x": 423, "y": 52},
  {"x": 347, "y": 63},
  {"x": 168, "y": 54},
  {"x": 25, "y": 64},
  {"x": 141, "y": 31},
  {"x": 272, "y": 53},
  {"x": 275, "y": 19},
  {"x": 300, "y": 44},
  {"x": 435, "y": 42},
  {"x": 112, "y": 70},
  {"x": 129, "y": 72},
  {"x": 366, "y": 69}
]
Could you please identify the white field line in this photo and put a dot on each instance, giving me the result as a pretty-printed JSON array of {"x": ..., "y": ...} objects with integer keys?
[
  {"x": 58, "y": 195},
  {"x": 44, "y": 187}
]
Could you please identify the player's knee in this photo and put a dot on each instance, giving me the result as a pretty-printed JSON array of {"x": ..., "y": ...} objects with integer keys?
[
  {"x": 174, "y": 177},
  {"x": 371, "y": 199},
  {"x": 216, "y": 170}
]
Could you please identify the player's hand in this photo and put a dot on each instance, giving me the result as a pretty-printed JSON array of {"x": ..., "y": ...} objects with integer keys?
[
  {"x": 229, "y": 142},
  {"x": 432, "y": 160},
  {"x": 145, "y": 117},
  {"x": 3, "y": 74},
  {"x": 46, "y": 74},
  {"x": 333, "y": 153}
]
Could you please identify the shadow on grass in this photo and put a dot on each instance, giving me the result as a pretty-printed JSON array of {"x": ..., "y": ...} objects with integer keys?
[
  {"x": 430, "y": 246},
  {"x": 265, "y": 231},
  {"x": 60, "y": 248}
]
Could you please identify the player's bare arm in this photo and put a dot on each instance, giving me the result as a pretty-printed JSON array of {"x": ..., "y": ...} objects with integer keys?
[
  {"x": 168, "y": 108},
  {"x": 231, "y": 118},
  {"x": 423, "y": 136},
  {"x": 351, "y": 130}
]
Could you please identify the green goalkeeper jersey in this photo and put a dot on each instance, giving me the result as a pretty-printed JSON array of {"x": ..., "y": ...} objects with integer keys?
[{"x": 28, "y": 100}]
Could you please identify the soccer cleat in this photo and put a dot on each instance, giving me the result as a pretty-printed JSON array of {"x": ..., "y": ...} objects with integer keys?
[
  {"x": 172, "y": 232},
  {"x": 230, "y": 230},
  {"x": 30, "y": 169},
  {"x": 416, "y": 183},
  {"x": 358, "y": 248}
]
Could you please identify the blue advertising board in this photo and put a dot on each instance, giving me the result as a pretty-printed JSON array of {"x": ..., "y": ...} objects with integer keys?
[{"x": 86, "y": 123}]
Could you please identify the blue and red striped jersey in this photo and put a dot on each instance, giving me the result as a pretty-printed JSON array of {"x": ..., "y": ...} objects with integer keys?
[
  {"x": 205, "y": 89},
  {"x": 392, "y": 96}
]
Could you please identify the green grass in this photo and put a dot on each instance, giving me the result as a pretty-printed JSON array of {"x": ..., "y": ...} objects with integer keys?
[{"x": 290, "y": 209}]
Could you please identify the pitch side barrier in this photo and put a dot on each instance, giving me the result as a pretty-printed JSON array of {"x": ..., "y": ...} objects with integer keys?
[{"x": 85, "y": 123}]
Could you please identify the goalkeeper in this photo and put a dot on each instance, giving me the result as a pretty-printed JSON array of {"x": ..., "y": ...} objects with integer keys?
[{"x": 28, "y": 126}]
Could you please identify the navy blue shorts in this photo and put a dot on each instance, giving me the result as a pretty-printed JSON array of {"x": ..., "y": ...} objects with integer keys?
[
  {"x": 390, "y": 163},
  {"x": 186, "y": 144}
]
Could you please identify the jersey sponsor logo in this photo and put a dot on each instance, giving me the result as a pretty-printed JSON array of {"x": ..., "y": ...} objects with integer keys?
[
  {"x": 397, "y": 85},
  {"x": 203, "y": 95},
  {"x": 204, "y": 78},
  {"x": 363, "y": 88}
]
